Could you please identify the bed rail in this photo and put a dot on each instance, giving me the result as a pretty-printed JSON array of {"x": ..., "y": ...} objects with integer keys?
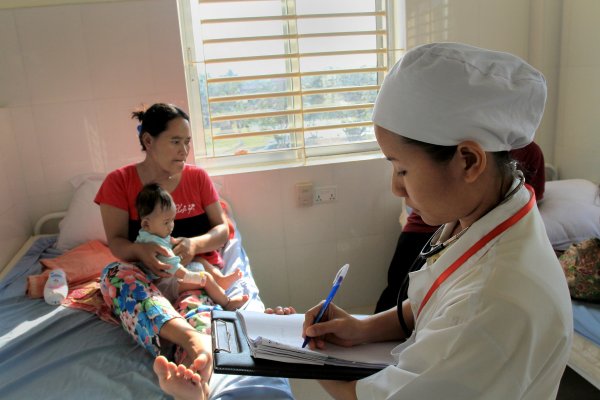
[{"x": 37, "y": 229}]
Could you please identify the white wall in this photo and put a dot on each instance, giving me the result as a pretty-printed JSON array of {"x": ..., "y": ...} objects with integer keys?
[
  {"x": 295, "y": 252},
  {"x": 528, "y": 29},
  {"x": 577, "y": 147},
  {"x": 70, "y": 76},
  {"x": 14, "y": 211}
]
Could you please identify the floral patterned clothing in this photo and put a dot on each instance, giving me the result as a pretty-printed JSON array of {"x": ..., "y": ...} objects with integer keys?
[
  {"x": 581, "y": 264},
  {"x": 141, "y": 307}
]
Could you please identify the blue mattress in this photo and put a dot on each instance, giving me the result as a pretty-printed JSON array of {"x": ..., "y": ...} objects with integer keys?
[
  {"x": 49, "y": 352},
  {"x": 586, "y": 320}
]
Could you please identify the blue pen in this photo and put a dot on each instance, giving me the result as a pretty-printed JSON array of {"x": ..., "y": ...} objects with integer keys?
[{"x": 337, "y": 282}]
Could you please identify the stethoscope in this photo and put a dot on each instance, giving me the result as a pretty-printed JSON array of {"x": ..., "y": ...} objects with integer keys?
[{"x": 431, "y": 249}]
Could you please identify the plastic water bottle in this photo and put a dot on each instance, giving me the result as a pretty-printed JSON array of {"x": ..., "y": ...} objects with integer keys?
[{"x": 56, "y": 288}]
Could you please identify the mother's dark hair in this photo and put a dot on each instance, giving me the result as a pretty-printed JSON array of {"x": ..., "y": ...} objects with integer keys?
[
  {"x": 155, "y": 119},
  {"x": 443, "y": 154}
]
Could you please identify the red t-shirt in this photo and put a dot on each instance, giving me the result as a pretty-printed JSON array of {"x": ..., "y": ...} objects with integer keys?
[
  {"x": 192, "y": 195},
  {"x": 530, "y": 160}
]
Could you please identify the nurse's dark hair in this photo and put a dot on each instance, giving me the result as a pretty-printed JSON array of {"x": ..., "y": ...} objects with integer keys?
[
  {"x": 443, "y": 154},
  {"x": 155, "y": 119},
  {"x": 149, "y": 197}
]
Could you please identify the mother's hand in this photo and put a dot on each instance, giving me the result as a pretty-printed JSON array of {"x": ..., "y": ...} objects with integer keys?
[
  {"x": 281, "y": 310},
  {"x": 203, "y": 363},
  {"x": 182, "y": 247},
  {"x": 147, "y": 253}
]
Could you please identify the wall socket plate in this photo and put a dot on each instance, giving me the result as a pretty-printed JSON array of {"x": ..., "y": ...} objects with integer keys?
[
  {"x": 325, "y": 194},
  {"x": 304, "y": 194}
]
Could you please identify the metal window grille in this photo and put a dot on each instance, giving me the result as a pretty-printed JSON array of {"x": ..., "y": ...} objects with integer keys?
[{"x": 284, "y": 80}]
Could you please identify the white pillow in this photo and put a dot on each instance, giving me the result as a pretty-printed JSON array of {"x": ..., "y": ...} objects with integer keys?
[
  {"x": 571, "y": 211},
  {"x": 83, "y": 221}
]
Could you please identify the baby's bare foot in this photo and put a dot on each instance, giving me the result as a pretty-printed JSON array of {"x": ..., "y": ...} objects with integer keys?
[
  {"x": 226, "y": 281},
  {"x": 179, "y": 381},
  {"x": 236, "y": 302}
]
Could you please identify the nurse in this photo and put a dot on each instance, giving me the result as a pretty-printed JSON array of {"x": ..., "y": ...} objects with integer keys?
[{"x": 488, "y": 314}]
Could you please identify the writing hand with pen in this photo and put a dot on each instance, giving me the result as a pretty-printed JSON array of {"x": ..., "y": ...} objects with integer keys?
[
  {"x": 327, "y": 322},
  {"x": 336, "y": 326}
]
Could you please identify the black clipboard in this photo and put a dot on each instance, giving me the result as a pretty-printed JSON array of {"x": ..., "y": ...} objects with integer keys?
[{"x": 231, "y": 355}]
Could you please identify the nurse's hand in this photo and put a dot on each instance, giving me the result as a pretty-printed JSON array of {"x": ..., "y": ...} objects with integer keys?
[{"x": 336, "y": 326}]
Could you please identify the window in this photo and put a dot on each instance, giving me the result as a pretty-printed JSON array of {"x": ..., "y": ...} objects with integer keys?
[{"x": 278, "y": 82}]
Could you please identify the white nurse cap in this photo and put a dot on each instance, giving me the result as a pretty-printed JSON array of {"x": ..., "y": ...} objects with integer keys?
[{"x": 445, "y": 93}]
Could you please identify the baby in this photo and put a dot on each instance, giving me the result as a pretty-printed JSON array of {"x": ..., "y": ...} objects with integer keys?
[{"x": 156, "y": 210}]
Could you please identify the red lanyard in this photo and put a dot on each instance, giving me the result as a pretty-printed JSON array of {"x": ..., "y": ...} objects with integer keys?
[{"x": 478, "y": 246}]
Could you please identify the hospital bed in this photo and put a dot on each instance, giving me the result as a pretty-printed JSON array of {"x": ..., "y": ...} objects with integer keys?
[
  {"x": 571, "y": 213},
  {"x": 55, "y": 352}
]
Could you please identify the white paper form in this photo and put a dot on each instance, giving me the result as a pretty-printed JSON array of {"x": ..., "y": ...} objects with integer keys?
[{"x": 279, "y": 338}]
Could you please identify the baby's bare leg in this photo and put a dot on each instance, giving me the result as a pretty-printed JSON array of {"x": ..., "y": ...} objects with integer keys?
[
  {"x": 197, "y": 279},
  {"x": 225, "y": 281},
  {"x": 217, "y": 293}
]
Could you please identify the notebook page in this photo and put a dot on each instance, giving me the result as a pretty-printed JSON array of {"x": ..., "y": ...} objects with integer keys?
[
  {"x": 283, "y": 329},
  {"x": 281, "y": 335}
]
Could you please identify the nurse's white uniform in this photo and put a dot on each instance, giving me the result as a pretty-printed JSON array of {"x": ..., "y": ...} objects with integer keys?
[{"x": 500, "y": 327}]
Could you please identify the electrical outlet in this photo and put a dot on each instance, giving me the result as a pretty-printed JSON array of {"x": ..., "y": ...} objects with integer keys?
[{"x": 325, "y": 194}]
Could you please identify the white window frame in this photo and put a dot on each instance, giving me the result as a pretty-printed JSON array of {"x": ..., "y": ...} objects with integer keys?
[{"x": 302, "y": 156}]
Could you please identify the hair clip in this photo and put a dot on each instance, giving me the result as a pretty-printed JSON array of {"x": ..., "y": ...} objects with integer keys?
[{"x": 139, "y": 129}]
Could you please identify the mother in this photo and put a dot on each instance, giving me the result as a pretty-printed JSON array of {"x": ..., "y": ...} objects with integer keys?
[{"x": 146, "y": 313}]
